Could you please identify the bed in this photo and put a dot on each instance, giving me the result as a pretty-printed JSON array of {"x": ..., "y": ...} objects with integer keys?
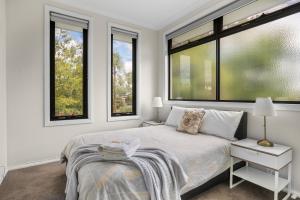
[{"x": 205, "y": 159}]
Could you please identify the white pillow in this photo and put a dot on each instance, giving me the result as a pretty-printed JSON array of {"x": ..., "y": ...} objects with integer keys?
[
  {"x": 176, "y": 115},
  {"x": 221, "y": 123}
]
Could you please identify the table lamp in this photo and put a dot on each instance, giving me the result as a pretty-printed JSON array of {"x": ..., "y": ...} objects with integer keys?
[
  {"x": 264, "y": 107},
  {"x": 157, "y": 103}
]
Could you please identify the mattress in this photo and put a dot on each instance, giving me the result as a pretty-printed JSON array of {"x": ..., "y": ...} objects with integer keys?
[{"x": 202, "y": 157}]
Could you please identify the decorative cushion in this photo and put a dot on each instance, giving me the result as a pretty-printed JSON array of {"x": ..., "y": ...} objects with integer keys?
[
  {"x": 176, "y": 114},
  {"x": 221, "y": 123},
  {"x": 191, "y": 121}
]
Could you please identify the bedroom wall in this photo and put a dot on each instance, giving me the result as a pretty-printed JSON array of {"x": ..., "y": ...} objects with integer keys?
[
  {"x": 283, "y": 129},
  {"x": 2, "y": 89},
  {"x": 28, "y": 140}
]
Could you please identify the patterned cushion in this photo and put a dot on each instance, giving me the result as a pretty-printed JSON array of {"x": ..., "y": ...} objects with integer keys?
[{"x": 191, "y": 122}]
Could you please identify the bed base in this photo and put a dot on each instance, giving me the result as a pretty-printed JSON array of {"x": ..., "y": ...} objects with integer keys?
[
  {"x": 211, "y": 183},
  {"x": 241, "y": 133}
]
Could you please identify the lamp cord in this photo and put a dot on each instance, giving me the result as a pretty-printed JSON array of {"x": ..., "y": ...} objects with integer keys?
[{"x": 265, "y": 127}]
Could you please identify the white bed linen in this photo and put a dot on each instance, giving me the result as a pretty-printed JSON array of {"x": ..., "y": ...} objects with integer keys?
[{"x": 202, "y": 157}]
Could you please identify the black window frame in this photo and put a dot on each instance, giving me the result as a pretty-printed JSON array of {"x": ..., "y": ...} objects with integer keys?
[
  {"x": 85, "y": 114},
  {"x": 134, "y": 82},
  {"x": 220, "y": 33}
]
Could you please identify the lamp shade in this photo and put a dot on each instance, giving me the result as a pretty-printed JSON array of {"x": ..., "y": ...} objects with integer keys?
[
  {"x": 157, "y": 102},
  {"x": 264, "y": 107}
]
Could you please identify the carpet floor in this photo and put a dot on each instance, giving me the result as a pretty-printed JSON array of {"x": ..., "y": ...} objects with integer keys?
[{"x": 47, "y": 182}]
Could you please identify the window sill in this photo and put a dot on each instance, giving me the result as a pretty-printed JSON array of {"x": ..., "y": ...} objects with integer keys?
[
  {"x": 67, "y": 122},
  {"x": 123, "y": 118},
  {"x": 232, "y": 105}
]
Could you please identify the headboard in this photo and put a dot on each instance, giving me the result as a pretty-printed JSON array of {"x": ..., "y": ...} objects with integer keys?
[{"x": 241, "y": 131}]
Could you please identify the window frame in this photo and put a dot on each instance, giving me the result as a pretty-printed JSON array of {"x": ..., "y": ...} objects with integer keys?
[
  {"x": 53, "y": 117},
  {"x": 217, "y": 35},
  {"x": 134, "y": 48},
  {"x": 49, "y": 118},
  {"x": 136, "y": 114}
]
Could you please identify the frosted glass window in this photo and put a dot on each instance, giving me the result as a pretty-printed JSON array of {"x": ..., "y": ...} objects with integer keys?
[
  {"x": 193, "y": 35},
  {"x": 262, "y": 61},
  {"x": 193, "y": 73}
]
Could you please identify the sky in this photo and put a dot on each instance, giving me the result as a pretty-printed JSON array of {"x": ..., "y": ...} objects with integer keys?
[
  {"x": 122, "y": 47},
  {"x": 77, "y": 36},
  {"x": 125, "y": 51}
]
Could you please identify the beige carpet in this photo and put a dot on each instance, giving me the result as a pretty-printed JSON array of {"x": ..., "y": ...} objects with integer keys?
[{"x": 47, "y": 182}]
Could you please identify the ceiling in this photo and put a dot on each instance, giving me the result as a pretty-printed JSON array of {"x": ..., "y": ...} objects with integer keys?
[{"x": 153, "y": 14}]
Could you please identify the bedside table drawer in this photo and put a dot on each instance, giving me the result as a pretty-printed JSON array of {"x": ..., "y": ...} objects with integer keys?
[{"x": 268, "y": 160}]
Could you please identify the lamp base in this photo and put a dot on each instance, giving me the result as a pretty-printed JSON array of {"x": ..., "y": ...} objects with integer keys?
[{"x": 265, "y": 143}]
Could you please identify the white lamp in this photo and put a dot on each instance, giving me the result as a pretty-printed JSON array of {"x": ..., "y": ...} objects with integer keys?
[
  {"x": 264, "y": 107},
  {"x": 157, "y": 103}
]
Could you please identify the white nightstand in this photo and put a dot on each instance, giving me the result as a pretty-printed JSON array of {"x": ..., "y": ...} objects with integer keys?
[
  {"x": 274, "y": 158},
  {"x": 152, "y": 123}
]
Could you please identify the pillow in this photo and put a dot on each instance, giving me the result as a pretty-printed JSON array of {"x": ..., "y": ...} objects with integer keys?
[
  {"x": 176, "y": 114},
  {"x": 221, "y": 123},
  {"x": 191, "y": 121}
]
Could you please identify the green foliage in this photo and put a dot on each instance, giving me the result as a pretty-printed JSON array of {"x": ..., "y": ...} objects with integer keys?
[
  {"x": 122, "y": 86},
  {"x": 68, "y": 75}
]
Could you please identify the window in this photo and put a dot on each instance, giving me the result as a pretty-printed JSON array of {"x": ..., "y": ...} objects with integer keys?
[
  {"x": 123, "y": 72},
  {"x": 250, "y": 54},
  {"x": 267, "y": 64},
  {"x": 67, "y": 69},
  {"x": 193, "y": 73},
  {"x": 68, "y": 66}
]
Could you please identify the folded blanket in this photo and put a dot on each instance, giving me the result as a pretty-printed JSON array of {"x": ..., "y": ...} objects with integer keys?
[
  {"x": 119, "y": 149},
  {"x": 162, "y": 173}
]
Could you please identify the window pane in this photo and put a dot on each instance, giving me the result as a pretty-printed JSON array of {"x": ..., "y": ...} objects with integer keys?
[
  {"x": 254, "y": 10},
  {"x": 122, "y": 75},
  {"x": 262, "y": 61},
  {"x": 193, "y": 35},
  {"x": 193, "y": 73},
  {"x": 68, "y": 71}
]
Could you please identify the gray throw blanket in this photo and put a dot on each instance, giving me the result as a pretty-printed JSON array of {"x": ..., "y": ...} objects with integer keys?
[{"x": 163, "y": 175}]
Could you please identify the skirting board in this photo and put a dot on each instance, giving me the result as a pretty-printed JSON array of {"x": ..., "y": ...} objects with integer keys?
[
  {"x": 295, "y": 194},
  {"x": 31, "y": 164},
  {"x": 3, "y": 172}
]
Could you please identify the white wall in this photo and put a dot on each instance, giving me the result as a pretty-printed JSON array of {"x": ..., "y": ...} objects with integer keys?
[
  {"x": 3, "y": 113},
  {"x": 28, "y": 139},
  {"x": 283, "y": 129}
]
